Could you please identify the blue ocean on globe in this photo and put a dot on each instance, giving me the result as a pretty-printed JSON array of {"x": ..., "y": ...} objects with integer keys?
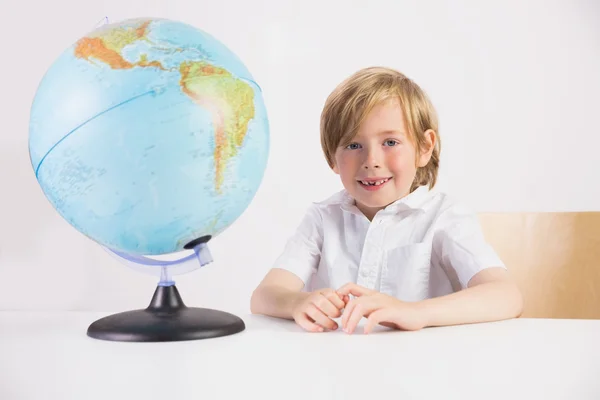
[{"x": 147, "y": 134}]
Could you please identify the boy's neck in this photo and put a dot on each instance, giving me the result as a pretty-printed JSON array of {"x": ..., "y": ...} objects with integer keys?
[{"x": 368, "y": 212}]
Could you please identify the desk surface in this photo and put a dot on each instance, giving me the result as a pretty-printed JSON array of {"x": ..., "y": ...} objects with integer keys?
[{"x": 48, "y": 356}]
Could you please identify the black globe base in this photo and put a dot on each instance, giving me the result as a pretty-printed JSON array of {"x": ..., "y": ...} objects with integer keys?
[{"x": 166, "y": 319}]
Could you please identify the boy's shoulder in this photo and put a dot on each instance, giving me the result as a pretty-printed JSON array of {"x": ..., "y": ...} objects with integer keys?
[
  {"x": 329, "y": 206},
  {"x": 334, "y": 205},
  {"x": 338, "y": 198},
  {"x": 452, "y": 213}
]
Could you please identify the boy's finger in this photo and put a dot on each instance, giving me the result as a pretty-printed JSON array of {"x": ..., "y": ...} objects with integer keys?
[
  {"x": 320, "y": 318},
  {"x": 324, "y": 304},
  {"x": 374, "y": 319},
  {"x": 347, "y": 312},
  {"x": 353, "y": 289},
  {"x": 336, "y": 300},
  {"x": 308, "y": 325},
  {"x": 354, "y": 318}
]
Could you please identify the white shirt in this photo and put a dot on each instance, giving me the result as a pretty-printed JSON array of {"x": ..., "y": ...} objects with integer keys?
[{"x": 421, "y": 246}]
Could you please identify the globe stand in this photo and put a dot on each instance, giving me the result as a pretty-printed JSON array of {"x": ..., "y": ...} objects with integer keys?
[{"x": 167, "y": 318}]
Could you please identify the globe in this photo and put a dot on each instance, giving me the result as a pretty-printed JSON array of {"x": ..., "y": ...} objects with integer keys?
[
  {"x": 151, "y": 137},
  {"x": 147, "y": 134}
]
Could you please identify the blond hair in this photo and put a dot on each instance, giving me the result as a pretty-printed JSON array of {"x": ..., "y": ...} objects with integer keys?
[{"x": 352, "y": 100}]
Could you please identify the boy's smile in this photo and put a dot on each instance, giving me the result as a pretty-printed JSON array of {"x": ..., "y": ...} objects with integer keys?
[{"x": 373, "y": 184}]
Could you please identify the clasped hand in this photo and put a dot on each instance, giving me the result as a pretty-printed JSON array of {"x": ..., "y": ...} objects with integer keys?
[{"x": 316, "y": 311}]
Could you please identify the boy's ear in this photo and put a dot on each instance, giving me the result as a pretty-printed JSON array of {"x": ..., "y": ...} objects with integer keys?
[
  {"x": 427, "y": 150},
  {"x": 335, "y": 169}
]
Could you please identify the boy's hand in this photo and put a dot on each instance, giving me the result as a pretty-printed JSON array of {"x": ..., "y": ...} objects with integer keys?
[
  {"x": 378, "y": 308},
  {"x": 314, "y": 312}
]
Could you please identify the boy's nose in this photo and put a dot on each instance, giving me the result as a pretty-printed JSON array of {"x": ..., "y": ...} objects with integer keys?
[{"x": 372, "y": 161}]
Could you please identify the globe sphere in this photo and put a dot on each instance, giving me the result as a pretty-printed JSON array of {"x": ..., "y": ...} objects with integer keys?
[{"x": 147, "y": 134}]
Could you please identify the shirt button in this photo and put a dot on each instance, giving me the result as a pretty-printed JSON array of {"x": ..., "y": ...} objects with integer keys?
[{"x": 364, "y": 273}]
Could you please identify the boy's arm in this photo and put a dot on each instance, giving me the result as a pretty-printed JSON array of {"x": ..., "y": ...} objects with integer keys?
[
  {"x": 281, "y": 289},
  {"x": 277, "y": 294},
  {"x": 490, "y": 296}
]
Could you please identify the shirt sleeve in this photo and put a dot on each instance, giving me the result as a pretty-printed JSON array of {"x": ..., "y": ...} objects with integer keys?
[
  {"x": 461, "y": 246},
  {"x": 302, "y": 252}
]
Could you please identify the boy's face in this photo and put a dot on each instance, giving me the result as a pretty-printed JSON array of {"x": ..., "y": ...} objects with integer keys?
[{"x": 379, "y": 165}]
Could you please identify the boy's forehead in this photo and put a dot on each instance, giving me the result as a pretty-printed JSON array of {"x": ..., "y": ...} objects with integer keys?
[{"x": 385, "y": 116}]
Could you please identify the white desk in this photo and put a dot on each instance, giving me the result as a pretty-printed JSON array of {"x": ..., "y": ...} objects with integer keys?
[{"x": 48, "y": 356}]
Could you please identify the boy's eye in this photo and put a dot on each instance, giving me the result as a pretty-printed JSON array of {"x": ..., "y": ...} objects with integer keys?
[
  {"x": 391, "y": 142},
  {"x": 353, "y": 146}
]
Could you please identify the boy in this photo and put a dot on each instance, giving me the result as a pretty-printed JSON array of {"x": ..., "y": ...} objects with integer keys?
[{"x": 408, "y": 256}]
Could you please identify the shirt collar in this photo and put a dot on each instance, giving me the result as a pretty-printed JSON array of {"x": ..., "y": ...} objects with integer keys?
[{"x": 417, "y": 200}]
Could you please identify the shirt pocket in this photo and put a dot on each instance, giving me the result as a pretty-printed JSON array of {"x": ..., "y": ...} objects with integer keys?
[{"x": 405, "y": 272}]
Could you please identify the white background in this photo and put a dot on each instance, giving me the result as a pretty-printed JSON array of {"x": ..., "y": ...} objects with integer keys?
[{"x": 515, "y": 83}]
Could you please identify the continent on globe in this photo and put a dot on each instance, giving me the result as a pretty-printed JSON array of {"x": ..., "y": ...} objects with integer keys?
[
  {"x": 108, "y": 46},
  {"x": 229, "y": 100}
]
